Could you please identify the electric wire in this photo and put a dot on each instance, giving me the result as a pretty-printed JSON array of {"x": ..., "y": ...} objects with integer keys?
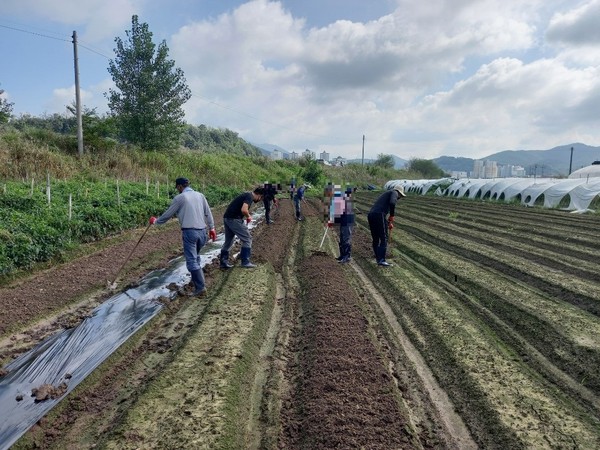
[
  {"x": 212, "y": 102},
  {"x": 34, "y": 33}
]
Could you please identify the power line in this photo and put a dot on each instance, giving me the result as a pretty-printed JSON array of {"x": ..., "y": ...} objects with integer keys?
[
  {"x": 93, "y": 51},
  {"x": 242, "y": 113},
  {"x": 34, "y": 33},
  {"x": 55, "y": 38}
]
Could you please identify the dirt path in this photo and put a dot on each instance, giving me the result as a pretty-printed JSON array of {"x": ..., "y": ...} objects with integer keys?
[{"x": 458, "y": 345}]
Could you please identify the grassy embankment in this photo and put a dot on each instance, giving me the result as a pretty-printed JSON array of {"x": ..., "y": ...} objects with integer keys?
[{"x": 52, "y": 200}]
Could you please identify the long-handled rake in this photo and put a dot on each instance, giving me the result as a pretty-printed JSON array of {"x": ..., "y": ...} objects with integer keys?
[{"x": 113, "y": 285}]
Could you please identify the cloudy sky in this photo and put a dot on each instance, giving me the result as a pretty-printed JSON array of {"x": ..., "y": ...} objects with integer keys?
[{"x": 416, "y": 78}]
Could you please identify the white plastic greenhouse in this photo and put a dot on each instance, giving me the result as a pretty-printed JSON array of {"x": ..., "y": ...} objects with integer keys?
[{"x": 572, "y": 194}]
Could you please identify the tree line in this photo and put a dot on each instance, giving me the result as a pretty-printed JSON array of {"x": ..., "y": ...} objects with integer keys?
[{"x": 145, "y": 107}]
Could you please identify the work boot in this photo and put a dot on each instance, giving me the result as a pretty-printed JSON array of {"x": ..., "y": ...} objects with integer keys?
[
  {"x": 380, "y": 254},
  {"x": 245, "y": 257},
  {"x": 224, "y": 258},
  {"x": 345, "y": 259},
  {"x": 198, "y": 279}
]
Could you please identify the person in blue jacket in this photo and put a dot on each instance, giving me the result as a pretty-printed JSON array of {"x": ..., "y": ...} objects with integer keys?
[
  {"x": 298, "y": 198},
  {"x": 379, "y": 224}
]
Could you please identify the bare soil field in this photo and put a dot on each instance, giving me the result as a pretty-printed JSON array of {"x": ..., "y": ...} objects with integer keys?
[{"x": 485, "y": 333}]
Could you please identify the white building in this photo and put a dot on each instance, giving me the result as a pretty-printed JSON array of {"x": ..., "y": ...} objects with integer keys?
[
  {"x": 276, "y": 154},
  {"x": 459, "y": 174},
  {"x": 485, "y": 169},
  {"x": 324, "y": 156},
  {"x": 510, "y": 171},
  {"x": 308, "y": 154},
  {"x": 339, "y": 161}
]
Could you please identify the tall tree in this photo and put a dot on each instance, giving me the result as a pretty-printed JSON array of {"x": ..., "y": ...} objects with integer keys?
[
  {"x": 150, "y": 91},
  {"x": 5, "y": 108},
  {"x": 426, "y": 167},
  {"x": 386, "y": 161}
]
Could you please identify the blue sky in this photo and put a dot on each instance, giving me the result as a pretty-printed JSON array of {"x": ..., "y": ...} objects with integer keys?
[{"x": 418, "y": 79}]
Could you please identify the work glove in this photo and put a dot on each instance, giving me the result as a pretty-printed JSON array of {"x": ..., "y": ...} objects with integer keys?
[
  {"x": 391, "y": 219},
  {"x": 248, "y": 220},
  {"x": 329, "y": 223},
  {"x": 212, "y": 234},
  {"x": 152, "y": 220},
  {"x": 390, "y": 225}
]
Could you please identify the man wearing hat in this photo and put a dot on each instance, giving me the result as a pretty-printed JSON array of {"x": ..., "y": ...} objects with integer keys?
[
  {"x": 379, "y": 225},
  {"x": 195, "y": 218}
]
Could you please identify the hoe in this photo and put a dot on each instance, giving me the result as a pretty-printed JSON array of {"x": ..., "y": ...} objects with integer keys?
[{"x": 113, "y": 285}]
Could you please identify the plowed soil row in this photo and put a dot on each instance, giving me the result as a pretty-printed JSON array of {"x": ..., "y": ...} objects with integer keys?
[
  {"x": 459, "y": 345},
  {"x": 495, "y": 227},
  {"x": 536, "y": 221},
  {"x": 538, "y": 328}
]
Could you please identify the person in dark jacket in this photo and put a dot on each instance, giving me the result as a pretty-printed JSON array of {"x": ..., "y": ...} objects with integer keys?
[
  {"x": 379, "y": 225},
  {"x": 195, "y": 217},
  {"x": 236, "y": 213},
  {"x": 269, "y": 197},
  {"x": 340, "y": 212}
]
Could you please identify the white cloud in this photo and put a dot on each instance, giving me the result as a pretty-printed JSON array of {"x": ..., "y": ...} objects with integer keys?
[
  {"x": 61, "y": 98},
  {"x": 91, "y": 99},
  {"x": 468, "y": 77},
  {"x": 101, "y": 18},
  {"x": 508, "y": 104},
  {"x": 365, "y": 77},
  {"x": 578, "y": 26}
]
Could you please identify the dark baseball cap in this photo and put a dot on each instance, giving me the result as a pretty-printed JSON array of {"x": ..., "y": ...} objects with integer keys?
[{"x": 181, "y": 182}]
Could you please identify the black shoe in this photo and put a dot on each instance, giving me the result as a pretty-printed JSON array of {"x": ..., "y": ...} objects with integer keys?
[
  {"x": 344, "y": 260},
  {"x": 339, "y": 258},
  {"x": 201, "y": 293}
]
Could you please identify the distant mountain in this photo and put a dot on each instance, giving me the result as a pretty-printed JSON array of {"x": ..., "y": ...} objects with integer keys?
[
  {"x": 267, "y": 149},
  {"x": 552, "y": 162},
  {"x": 454, "y": 164}
]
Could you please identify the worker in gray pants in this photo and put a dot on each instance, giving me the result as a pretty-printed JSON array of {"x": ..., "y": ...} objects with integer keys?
[{"x": 235, "y": 215}]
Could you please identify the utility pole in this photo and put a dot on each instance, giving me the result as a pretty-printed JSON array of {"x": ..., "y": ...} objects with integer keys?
[
  {"x": 571, "y": 161},
  {"x": 363, "y": 152},
  {"x": 77, "y": 98}
]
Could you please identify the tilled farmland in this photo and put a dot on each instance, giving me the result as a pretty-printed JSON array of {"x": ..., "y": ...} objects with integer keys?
[{"x": 485, "y": 333}]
